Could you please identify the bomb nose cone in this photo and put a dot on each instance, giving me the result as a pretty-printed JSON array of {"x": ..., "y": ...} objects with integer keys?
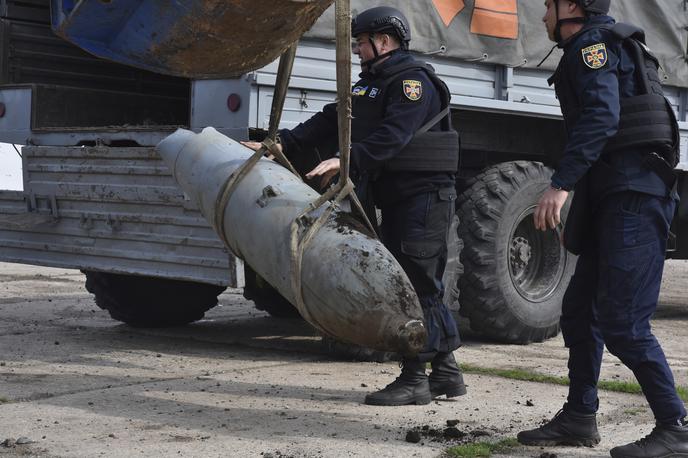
[{"x": 411, "y": 338}]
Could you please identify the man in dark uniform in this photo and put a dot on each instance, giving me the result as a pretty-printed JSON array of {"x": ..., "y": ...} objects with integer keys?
[
  {"x": 404, "y": 156},
  {"x": 622, "y": 139}
]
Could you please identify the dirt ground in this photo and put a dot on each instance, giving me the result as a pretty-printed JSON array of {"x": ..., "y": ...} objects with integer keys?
[{"x": 74, "y": 383}]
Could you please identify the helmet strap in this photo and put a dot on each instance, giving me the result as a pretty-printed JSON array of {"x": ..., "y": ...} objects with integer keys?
[
  {"x": 571, "y": 20},
  {"x": 372, "y": 44},
  {"x": 370, "y": 62}
]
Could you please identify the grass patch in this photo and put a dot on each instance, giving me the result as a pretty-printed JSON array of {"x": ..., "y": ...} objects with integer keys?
[
  {"x": 480, "y": 449},
  {"x": 530, "y": 376},
  {"x": 682, "y": 392},
  {"x": 635, "y": 411},
  {"x": 516, "y": 374}
]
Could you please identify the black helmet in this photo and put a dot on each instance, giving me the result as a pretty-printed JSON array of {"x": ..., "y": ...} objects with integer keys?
[
  {"x": 383, "y": 19},
  {"x": 595, "y": 6}
]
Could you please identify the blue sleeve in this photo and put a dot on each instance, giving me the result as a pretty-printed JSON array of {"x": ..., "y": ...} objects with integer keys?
[
  {"x": 597, "y": 92},
  {"x": 319, "y": 132},
  {"x": 402, "y": 118}
]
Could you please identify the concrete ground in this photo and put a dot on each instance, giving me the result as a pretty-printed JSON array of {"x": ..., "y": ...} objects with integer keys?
[{"x": 74, "y": 383}]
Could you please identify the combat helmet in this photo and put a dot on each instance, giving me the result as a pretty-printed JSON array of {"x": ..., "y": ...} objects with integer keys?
[
  {"x": 383, "y": 19},
  {"x": 595, "y": 6}
]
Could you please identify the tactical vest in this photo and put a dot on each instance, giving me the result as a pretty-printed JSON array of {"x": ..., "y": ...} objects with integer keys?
[
  {"x": 647, "y": 120},
  {"x": 428, "y": 151}
]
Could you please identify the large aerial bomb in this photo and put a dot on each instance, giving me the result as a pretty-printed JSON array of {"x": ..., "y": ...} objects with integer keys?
[{"x": 351, "y": 285}]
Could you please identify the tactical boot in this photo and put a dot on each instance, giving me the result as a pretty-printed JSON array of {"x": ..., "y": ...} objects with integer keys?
[
  {"x": 411, "y": 387},
  {"x": 663, "y": 441},
  {"x": 566, "y": 428},
  {"x": 446, "y": 377}
]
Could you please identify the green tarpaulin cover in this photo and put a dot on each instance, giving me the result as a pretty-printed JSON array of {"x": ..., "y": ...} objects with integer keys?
[{"x": 511, "y": 32}]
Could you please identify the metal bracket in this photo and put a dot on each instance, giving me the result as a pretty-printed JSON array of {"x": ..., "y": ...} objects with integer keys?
[
  {"x": 303, "y": 99},
  {"x": 114, "y": 222},
  {"x": 32, "y": 204},
  {"x": 268, "y": 193}
]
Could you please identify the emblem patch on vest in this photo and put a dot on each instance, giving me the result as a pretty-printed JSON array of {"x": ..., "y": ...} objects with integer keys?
[
  {"x": 360, "y": 91},
  {"x": 413, "y": 90},
  {"x": 595, "y": 56},
  {"x": 374, "y": 92}
]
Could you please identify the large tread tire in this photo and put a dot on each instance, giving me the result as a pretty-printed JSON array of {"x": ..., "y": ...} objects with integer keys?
[
  {"x": 265, "y": 297},
  {"x": 454, "y": 268},
  {"x": 150, "y": 302},
  {"x": 515, "y": 277}
]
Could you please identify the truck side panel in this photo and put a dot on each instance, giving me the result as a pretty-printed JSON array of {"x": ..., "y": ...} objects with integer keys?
[{"x": 109, "y": 209}]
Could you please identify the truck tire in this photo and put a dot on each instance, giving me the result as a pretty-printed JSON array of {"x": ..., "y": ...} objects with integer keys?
[
  {"x": 265, "y": 297},
  {"x": 515, "y": 276},
  {"x": 149, "y": 302},
  {"x": 454, "y": 268}
]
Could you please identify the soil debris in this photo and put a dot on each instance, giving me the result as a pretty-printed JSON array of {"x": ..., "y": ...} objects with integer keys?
[
  {"x": 9, "y": 442},
  {"x": 413, "y": 436}
]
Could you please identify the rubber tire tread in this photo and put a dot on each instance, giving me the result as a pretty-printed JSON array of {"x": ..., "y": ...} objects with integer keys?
[
  {"x": 454, "y": 269},
  {"x": 265, "y": 297},
  {"x": 479, "y": 209},
  {"x": 151, "y": 302}
]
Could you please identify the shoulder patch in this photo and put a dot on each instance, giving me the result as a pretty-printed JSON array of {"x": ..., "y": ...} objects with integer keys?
[
  {"x": 413, "y": 89},
  {"x": 359, "y": 91},
  {"x": 595, "y": 56}
]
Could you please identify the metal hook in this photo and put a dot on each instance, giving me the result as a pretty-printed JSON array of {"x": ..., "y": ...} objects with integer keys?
[
  {"x": 442, "y": 50},
  {"x": 520, "y": 64},
  {"x": 478, "y": 59}
]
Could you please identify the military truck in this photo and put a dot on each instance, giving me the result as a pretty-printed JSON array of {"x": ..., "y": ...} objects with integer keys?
[{"x": 97, "y": 197}]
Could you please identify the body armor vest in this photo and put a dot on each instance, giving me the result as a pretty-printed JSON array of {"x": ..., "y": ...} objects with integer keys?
[
  {"x": 647, "y": 120},
  {"x": 428, "y": 151}
]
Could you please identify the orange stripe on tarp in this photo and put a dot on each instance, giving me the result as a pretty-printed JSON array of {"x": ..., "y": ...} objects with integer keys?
[
  {"x": 448, "y": 9},
  {"x": 499, "y": 25},
  {"x": 500, "y": 6}
]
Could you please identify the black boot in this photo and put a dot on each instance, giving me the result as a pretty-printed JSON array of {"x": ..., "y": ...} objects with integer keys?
[
  {"x": 446, "y": 377},
  {"x": 663, "y": 441},
  {"x": 566, "y": 428},
  {"x": 411, "y": 387}
]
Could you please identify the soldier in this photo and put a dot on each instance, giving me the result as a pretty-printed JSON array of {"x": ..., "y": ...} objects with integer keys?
[
  {"x": 620, "y": 153},
  {"x": 404, "y": 157}
]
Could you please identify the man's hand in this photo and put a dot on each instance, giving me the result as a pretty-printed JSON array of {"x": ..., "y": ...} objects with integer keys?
[
  {"x": 255, "y": 146},
  {"x": 548, "y": 211},
  {"x": 326, "y": 169}
]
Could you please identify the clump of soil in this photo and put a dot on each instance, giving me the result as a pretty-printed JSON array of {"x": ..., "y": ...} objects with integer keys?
[{"x": 449, "y": 433}]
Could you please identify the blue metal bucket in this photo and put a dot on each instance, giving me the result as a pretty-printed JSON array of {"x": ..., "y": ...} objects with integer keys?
[{"x": 190, "y": 38}]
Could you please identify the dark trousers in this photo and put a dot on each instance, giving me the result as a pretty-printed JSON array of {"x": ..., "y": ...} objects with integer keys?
[
  {"x": 415, "y": 231},
  {"x": 611, "y": 298}
]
